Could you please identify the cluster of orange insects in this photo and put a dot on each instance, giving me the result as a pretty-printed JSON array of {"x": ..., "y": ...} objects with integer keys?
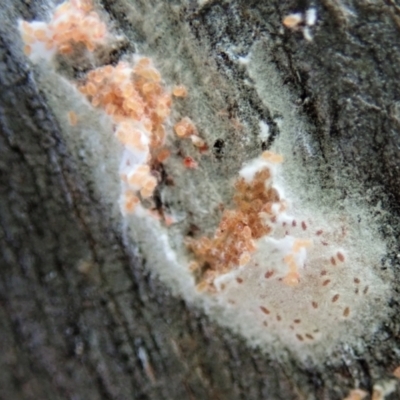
[
  {"x": 133, "y": 96},
  {"x": 73, "y": 22},
  {"x": 234, "y": 240}
]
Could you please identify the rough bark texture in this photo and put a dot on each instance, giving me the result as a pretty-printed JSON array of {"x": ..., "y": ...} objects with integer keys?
[{"x": 80, "y": 316}]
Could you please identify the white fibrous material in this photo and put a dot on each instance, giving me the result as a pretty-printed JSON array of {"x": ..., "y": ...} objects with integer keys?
[{"x": 311, "y": 16}]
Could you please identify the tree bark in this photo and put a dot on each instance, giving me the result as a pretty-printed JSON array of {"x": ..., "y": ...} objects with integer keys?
[{"x": 81, "y": 316}]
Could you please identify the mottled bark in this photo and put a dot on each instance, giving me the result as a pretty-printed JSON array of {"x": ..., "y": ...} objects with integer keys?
[{"x": 80, "y": 315}]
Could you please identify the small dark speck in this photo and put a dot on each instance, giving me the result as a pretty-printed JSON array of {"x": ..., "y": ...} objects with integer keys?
[
  {"x": 308, "y": 336},
  {"x": 299, "y": 337},
  {"x": 218, "y": 149},
  {"x": 264, "y": 146}
]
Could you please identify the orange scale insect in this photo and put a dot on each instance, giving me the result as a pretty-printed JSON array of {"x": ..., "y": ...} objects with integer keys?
[
  {"x": 91, "y": 88},
  {"x": 27, "y": 50},
  {"x": 151, "y": 89},
  {"x": 163, "y": 155},
  {"x": 190, "y": 163},
  {"x": 136, "y": 179},
  {"x": 90, "y": 46},
  {"x": 72, "y": 118},
  {"x": 130, "y": 202},
  {"x": 27, "y": 39},
  {"x": 100, "y": 31},
  {"x": 179, "y": 91},
  {"x": 244, "y": 258},
  {"x": 197, "y": 141},
  {"x": 146, "y": 193},
  {"x": 185, "y": 128},
  {"x": 40, "y": 34},
  {"x": 65, "y": 49},
  {"x": 27, "y": 28}
]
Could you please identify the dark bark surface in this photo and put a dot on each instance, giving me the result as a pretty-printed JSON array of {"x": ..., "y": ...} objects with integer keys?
[{"x": 80, "y": 316}]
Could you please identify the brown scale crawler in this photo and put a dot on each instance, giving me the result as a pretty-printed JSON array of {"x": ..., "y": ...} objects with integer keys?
[
  {"x": 264, "y": 310},
  {"x": 308, "y": 336},
  {"x": 268, "y": 274},
  {"x": 299, "y": 337},
  {"x": 314, "y": 304},
  {"x": 340, "y": 256},
  {"x": 335, "y": 298}
]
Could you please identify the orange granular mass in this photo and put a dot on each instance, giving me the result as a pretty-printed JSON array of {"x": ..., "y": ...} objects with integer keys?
[
  {"x": 131, "y": 93},
  {"x": 233, "y": 241},
  {"x": 139, "y": 105},
  {"x": 73, "y": 22}
]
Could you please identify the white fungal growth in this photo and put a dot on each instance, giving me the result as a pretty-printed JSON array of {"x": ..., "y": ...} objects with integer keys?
[
  {"x": 304, "y": 287},
  {"x": 309, "y": 280},
  {"x": 311, "y": 16},
  {"x": 264, "y": 130},
  {"x": 330, "y": 256},
  {"x": 304, "y": 283}
]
